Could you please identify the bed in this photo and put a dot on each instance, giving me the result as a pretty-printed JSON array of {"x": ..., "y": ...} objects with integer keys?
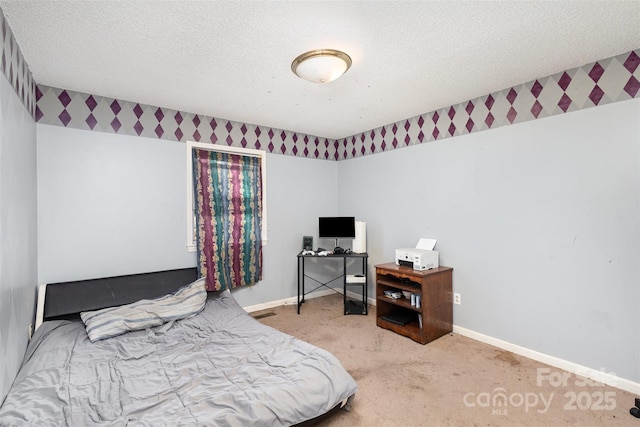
[{"x": 218, "y": 366}]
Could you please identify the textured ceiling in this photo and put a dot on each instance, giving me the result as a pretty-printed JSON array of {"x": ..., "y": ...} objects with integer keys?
[{"x": 232, "y": 60}]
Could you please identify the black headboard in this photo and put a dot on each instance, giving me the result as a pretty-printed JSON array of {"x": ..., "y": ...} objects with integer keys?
[{"x": 65, "y": 299}]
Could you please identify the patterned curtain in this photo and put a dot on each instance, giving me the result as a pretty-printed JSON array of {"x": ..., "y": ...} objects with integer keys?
[{"x": 228, "y": 203}]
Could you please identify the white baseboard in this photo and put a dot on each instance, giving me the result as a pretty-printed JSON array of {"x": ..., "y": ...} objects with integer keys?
[
  {"x": 574, "y": 368},
  {"x": 294, "y": 300},
  {"x": 286, "y": 301}
]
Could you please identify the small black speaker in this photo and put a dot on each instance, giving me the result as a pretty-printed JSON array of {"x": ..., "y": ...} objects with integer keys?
[{"x": 307, "y": 243}]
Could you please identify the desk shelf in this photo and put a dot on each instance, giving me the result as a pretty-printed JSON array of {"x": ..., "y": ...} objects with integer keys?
[{"x": 359, "y": 282}]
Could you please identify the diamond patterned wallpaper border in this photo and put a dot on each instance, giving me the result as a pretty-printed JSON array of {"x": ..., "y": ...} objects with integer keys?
[
  {"x": 15, "y": 68},
  {"x": 84, "y": 111},
  {"x": 609, "y": 80},
  {"x": 602, "y": 82}
]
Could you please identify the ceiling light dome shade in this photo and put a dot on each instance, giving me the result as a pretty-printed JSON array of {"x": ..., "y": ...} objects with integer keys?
[{"x": 321, "y": 66}]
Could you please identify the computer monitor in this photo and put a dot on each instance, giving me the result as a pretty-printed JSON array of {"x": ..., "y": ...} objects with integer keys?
[{"x": 337, "y": 227}]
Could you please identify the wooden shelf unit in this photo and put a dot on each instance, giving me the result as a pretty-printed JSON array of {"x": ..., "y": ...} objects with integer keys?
[{"x": 436, "y": 308}]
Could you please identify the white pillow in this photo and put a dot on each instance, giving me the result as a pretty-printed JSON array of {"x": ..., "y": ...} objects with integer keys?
[{"x": 143, "y": 314}]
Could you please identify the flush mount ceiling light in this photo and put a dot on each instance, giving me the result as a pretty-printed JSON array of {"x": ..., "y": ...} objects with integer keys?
[{"x": 321, "y": 66}]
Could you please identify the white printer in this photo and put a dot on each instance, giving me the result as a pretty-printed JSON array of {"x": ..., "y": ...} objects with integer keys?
[{"x": 422, "y": 257}]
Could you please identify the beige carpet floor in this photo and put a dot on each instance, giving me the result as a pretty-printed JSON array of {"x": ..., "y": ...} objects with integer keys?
[{"x": 453, "y": 381}]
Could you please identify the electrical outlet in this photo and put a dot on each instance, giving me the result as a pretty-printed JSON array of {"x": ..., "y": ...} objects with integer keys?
[
  {"x": 30, "y": 330},
  {"x": 457, "y": 299}
]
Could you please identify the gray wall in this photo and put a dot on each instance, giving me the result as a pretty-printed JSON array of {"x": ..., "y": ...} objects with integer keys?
[
  {"x": 18, "y": 256},
  {"x": 109, "y": 204},
  {"x": 540, "y": 221},
  {"x": 116, "y": 204}
]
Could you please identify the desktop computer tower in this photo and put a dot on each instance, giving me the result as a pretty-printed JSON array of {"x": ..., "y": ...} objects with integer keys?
[{"x": 359, "y": 245}]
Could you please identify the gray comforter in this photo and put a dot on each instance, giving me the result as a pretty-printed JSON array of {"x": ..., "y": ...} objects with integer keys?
[{"x": 220, "y": 367}]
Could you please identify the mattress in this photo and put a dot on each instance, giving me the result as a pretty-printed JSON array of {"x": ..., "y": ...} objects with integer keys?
[{"x": 220, "y": 367}]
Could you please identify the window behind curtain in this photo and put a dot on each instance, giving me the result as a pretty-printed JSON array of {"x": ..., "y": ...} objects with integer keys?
[{"x": 229, "y": 204}]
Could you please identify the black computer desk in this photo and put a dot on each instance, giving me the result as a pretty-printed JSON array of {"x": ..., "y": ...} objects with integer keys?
[{"x": 350, "y": 306}]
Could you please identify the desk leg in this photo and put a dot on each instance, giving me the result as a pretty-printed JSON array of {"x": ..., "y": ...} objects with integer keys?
[
  {"x": 299, "y": 261},
  {"x": 366, "y": 285},
  {"x": 344, "y": 284},
  {"x": 301, "y": 277}
]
